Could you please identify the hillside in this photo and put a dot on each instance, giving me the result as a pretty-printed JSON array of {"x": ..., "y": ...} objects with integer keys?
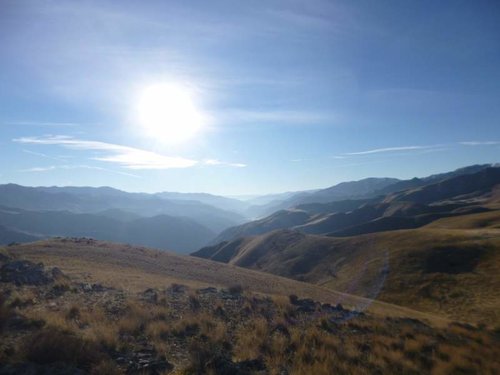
[
  {"x": 89, "y": 200},
  {"x": 441, "y": 268},
  {"x": 455, "y": 195},
  {"x": 351, "y": 190},
  {"x": 138, "y": 268},
  {"x": 102, "y": 308},
  {"x": 462, "y": 187},
  {"x": 8, "y": 235},
  {"x": 368, "y": 188},
  {"x": 162, "y": 231}
]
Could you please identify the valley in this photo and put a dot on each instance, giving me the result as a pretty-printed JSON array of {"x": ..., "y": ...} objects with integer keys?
[{"x": 370, "y": 278}]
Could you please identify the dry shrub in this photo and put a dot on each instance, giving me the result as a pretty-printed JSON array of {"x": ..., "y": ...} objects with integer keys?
[
  {"x": 5, "y": 312},
  {"x": 105, "y": 334},
  {"x": 215, "y": 331},
  {"x": 106, "y": 367},
  {"x": 207, "y": 358},
  {"x": 186, "y": 327},
  {"x": 52, "y": 345},
  {"x": 235, "y": 289},
  {"x": 73, "y": 313},
  {"x": 158, "y": 329},
  {"x": 276, "y": 350},
  {"x": 282, "y": 303},
  {"x": 250, "y": 339},
  {"x": 52, "y": 318},
  {"x": 194, "y": 302},
  {"x": 135, "y": 320}
]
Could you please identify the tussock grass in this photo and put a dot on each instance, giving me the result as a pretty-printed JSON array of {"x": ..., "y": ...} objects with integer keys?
[
  {"x": 282, "y": 340},
  {"x": 204, "y": 332}
]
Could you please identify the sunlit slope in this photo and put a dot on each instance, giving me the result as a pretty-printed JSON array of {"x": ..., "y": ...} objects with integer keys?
[
  {"x": 135, "y": 269},
  {"x": 438, "y": 269},
  {"x": 483, "y": 220}
]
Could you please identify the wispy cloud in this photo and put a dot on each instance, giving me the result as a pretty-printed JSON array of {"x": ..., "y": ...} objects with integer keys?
[
  {"x": 42, "y": 123},
  {"x": 40, "y": 169},
  {"x": 42, "y": 155},
  {"x": 218, "y": 162},
  {"x": 67, "y": 167},
  {"x": 278, "y": 116},
  {"x": 480, "y": 143},
  {"x": 390, "y": 149},
  {"x": 127, "y": 157}
]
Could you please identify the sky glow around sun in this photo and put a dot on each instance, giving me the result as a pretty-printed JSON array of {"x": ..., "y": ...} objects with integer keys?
[{"x": 167, "y": 113}]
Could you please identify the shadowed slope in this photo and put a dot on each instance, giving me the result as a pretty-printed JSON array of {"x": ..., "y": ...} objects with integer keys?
[
  {"x": 408, "y": 209},
  {"x": 449, "y": 271}
]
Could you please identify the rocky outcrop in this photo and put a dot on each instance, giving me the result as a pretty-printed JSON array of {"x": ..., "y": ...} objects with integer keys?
[{"x": 24, "y": 272}]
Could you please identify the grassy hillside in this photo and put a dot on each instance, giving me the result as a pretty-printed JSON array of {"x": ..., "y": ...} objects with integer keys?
[
  {"x": 475, "y": 221},
  {"x": 115, "y": 309},
  {"x": 460, "y": 187},
  {"x": 64, "y": 326},
  {"x": 441, "y": 268},
  {"x": 411, "y": 208},
  {"x": 137, "y": 268}
]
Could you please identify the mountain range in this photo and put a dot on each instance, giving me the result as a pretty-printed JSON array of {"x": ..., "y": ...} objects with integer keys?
[
  {"x": 431, "y": 248},
  {"x": 185, "y": 222},
  {"x": 419, "y": 204}
]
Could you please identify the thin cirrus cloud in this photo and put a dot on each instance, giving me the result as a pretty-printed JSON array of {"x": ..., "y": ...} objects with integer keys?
[
  {"x": 42, "y": 123},
  {"x": 126, "y": 157},
  {"x": 218, "y": 162},
  {"x": 277, "y": 116},
  {"x": 480, "y": 143},
  {"x": 42, "y": 155},
  {"x": 390, "y": 149},
  {"x": 68, "y": 167}
]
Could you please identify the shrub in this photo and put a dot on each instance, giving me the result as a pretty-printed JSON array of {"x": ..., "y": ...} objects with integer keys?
[
  {"x": 194, "y": 302},
  {"x": 236, "y": 289},
  {"x": 73, "y": 313},
  {"x": 54, "y": 345},
  {"x": 106, "y": 367},
  {"x": 293, "y": 299},
  {"x": 207, "y": 357},
  {"x": 5, "y": 312}
]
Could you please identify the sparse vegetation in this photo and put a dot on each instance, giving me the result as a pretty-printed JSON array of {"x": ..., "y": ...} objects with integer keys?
[
  {"x": 107, "y": 333},
  {"x": 185, "y": 328},
  {"x": 53, "y": 344}
]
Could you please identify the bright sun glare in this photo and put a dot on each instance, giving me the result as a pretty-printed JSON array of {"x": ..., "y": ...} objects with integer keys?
[{"x": 167, "y": 113}]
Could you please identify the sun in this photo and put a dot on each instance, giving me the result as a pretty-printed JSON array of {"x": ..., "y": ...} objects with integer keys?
[{"x": 167, "y": 113}]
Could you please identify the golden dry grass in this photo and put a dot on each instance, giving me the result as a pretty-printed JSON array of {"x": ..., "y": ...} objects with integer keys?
[
  {"x": 135, "y": 269},
  {"x": 96, "y": 328},
  {"x": 449, "y": 268}
]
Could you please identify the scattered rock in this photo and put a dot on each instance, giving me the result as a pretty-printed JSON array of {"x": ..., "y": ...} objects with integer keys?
[
  {"x": 177, "y": 289},
  {"x": 209, "y": 290},
  {"x": 306, "y": 305},
  {"x": 24, "y": 272},
  {"x": 150, "y": 295},
  {"x": 89, "y": 288},
  {"x": 282, "y": 329},
  {"x": 57, "y": 274},
  {"x": 144, "y": 361}
]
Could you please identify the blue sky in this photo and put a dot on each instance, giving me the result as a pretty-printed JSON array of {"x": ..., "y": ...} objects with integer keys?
[{"x": 294, "y": 94}]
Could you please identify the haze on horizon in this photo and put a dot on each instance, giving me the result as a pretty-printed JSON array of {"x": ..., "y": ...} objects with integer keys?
[{"x": 245, "y": 97}]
